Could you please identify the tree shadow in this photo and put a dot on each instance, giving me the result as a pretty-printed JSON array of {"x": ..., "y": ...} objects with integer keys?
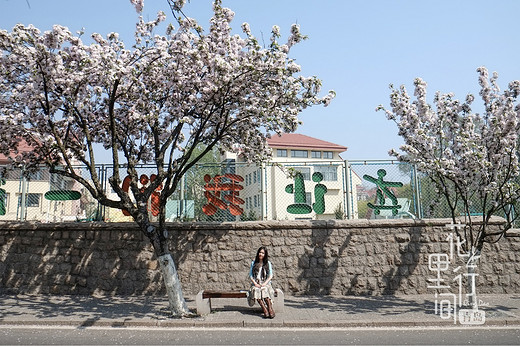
[
  {"x": 68, "y": 260},
  {"x": 189, "y": 243},
  {"x": 320, "y": 266},
  {"x": 322, "y": 260},
  {"x": 408, "y": 260},
  {"x": 382, "y": 305},
  {"x": 83, "y": 308},
  {"x": 185, "y": 241}
]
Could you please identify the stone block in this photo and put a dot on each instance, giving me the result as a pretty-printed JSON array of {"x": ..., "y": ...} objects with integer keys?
[
  {"x": 280, "y": 241},
  {"x": 153, "y": 265},
  {"x": 504, "y": 280},
  {"x": 279, "y": 301},
  {"x": 379, "y": 248},
  {"x": 289, "y": 241}
]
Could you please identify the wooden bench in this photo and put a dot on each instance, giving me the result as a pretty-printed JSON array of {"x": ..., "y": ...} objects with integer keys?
[{"x": 204, "y": 297}]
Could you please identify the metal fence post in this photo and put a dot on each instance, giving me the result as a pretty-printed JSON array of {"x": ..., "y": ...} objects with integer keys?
[
  {"x": 23, "y": 197},
  {"x": 417, "y": 192},
  {"x": 263, "y": 191},
  {"x": 347, "y": 189},
  {"x": 101, "y": 208},
  {"x": 182, "y": 203}
]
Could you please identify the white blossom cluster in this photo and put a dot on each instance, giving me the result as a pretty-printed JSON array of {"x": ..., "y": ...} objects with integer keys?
[
  {"x": 474, "y": 155},
  {"x": 152, "y": 101}
]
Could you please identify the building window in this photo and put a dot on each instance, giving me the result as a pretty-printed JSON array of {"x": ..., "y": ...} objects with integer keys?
[
  {"x": 40, "y": 175},
  {"x": 59, "y": 182},
  {"x": 255, "y": 201},
  {"x": 328, "y": 155},
  {"x": 316, "y": 154},
  {"x": 281, "y": 152},
  {"x": 305, "y": 171},
  {"x": 299, "y": 153},
  {"x": 254, "y": 177},
  {"x": 330, "y": 173},
  {"x": 31, "y": 200}
]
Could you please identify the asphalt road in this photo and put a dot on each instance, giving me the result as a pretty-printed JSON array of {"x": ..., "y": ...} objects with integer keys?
[{"x": 19, "y": 335}]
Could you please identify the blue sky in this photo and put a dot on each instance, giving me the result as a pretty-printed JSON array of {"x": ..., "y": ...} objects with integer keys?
[{"x": 357, "y": 48}]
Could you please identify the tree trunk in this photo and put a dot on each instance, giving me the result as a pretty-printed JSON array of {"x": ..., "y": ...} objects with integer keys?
[
  {"x": 159, "y": 239},
  {"x": 172, "y": 283},
  {"x": 471, "y": 265}
]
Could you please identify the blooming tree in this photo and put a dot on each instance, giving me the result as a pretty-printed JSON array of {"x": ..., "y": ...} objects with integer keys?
[
  {"x": 472, "y": 158},
  {"x": 152, "y": 102}
]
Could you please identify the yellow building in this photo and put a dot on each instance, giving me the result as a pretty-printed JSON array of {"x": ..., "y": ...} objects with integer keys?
[{"x": 38, "y": 195}]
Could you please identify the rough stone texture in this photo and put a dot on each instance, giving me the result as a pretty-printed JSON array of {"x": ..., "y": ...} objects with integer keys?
[{"x": 361, "y": 257}]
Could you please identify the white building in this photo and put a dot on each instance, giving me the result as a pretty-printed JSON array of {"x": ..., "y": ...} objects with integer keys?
[{"x": 271, "y": 193}]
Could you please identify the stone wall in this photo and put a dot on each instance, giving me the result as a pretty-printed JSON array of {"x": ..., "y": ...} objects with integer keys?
[{"x": 364, "y": 257}]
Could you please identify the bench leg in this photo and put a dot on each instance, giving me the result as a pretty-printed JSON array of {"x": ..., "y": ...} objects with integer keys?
[
  {"x": 278, "y": 303},
  {"x": 203, "y": 305}
]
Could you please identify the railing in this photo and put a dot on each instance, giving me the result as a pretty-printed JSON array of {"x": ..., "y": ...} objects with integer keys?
[{"x": 232, "y": 191}]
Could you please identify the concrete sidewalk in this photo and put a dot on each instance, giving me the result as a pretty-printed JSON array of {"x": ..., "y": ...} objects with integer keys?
[{"x": 300, "y": 312}]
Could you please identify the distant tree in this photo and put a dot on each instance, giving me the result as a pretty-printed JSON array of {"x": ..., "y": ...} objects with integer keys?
[
  {"x": 339, "y": 214},
  {"x": 364, "y": 212},
  {"x": 151, "y": 103},
  {"x": 251, "y": 216},
  {"x": 193, "y": 180},
  {"x": 471, "y": 158},
  {"x": 404, "y": 191}
]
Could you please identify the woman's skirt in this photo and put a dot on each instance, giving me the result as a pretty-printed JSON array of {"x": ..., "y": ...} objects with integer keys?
[{"x": 261, "y": 292}]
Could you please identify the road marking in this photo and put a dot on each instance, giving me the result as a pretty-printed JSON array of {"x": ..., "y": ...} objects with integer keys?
[{"x": 253, "y": 329}]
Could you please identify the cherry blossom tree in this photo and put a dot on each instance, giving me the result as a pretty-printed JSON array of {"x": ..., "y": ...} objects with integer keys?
[
  {"x": 153, "y": 102},
  {"x": 472, "y": 158}
]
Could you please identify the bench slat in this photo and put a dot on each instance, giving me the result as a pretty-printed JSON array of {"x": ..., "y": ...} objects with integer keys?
[
  {"x": 223, "y": 294},
  {"x": 226, "y": 294}
]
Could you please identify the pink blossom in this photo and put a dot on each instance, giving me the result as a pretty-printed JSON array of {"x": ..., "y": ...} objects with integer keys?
[{"x": 138, "y": 4}]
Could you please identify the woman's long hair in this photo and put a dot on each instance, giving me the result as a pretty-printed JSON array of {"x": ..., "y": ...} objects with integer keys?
[{"x": 265, "y": 266}]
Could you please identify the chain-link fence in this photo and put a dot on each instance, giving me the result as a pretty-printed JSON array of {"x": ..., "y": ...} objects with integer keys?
[
  {"x": 237, "y": 191},
  {"x": 383, "y": 189}
]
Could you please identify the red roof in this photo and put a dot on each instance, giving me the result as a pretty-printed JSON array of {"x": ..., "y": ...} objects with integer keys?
[
  {"x": 22, "y": 147},
  {"x": 295, "y": 140}
]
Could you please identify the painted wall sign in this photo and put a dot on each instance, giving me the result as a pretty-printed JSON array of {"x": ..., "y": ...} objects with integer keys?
[
  {"x": 383, "y": 190},
  {"x": 222, "y": 192}
]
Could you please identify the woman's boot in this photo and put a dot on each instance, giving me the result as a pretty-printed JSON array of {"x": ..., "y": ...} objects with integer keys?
[
  {"x": 264, "y": 308},
  {"x": 270, "y": 307}
]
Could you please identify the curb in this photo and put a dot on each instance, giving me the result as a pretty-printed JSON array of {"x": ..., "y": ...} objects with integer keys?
[{"x": 249, "y": 324}]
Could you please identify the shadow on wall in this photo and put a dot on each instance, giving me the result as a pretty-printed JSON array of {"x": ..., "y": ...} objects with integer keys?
[
  {"x": 62, "y": 261},
  {"x": 319, "y": 264},
  {"x": 204, "y": 258},
  {"x": 184, "y": 242},
  {"x": 354, "y": 266},
  {"x": 409, "y": 249}
]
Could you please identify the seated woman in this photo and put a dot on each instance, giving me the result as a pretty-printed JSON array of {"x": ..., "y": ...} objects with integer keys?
[{"x": 260, "y": 274}]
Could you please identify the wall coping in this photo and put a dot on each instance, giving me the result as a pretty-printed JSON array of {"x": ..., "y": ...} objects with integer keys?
[{"x": 240, "y": 225}]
